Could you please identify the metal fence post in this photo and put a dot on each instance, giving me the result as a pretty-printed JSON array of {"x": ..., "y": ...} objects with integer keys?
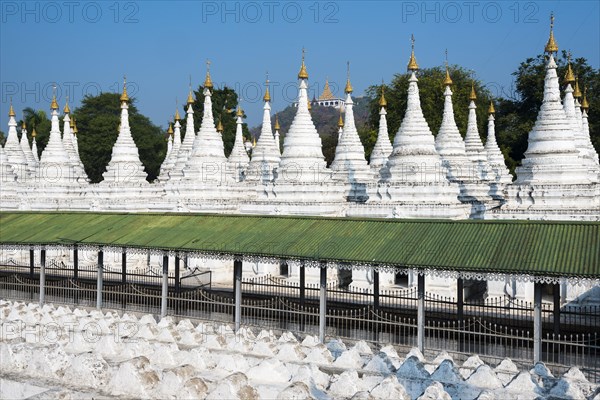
[
  {"x": 31, "y": 262},
  {"x": 42, "y": 276},
  {"x": 237, "y": 281},
  {"x": 376, "y": 304},
  {"x": 323, "y": 303},
  {"x": 556, "y": 308},
  {"x": 460, "y": 299},
  {"x": 537, "y": 322},
  {"x": 75, "y": 261},
  {"x": 99, "y": 276},
  {"x": 124, "y": 265},
  {"x": 421, "y": 312},
  {"x": 165, "y": 285}
]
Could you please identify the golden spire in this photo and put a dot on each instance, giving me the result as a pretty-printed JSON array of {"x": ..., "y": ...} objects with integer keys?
[
  {"x": 473, "y": 95},
  {"x": 348, "y": 88},
  {"x": 54, "y": 104},
  {"x": 308, "y": 105},
  {"x": 584, "y": 103},
  {"x": 267, "y": 96},
  {"x": 447, "y": 80},
  {"x": 207, "y": 81},
  {"x": 303, "y": 74},
  {"x": 11, "y": 110},
  {"x": 382, "y": 101},
  {"x": 177, "y": 117},
  {"x": 277, "y": 127},
  {"x": 340, "y": 120},
  {"x": 33, "y": 133},
  {"x": 569, "y": 76},
  {"x": 72, "y": 123},
  {"x": 240, "y": 112},
  {"x": 75, "y": 125},
  {"x": 67, "y": 110},
  {"x": 170, "y": 130},
  {"x": 23, "y": 125},
  {"x": 220, "y": 127},
  {"x": 412, "y": 62},
  {"x": 551, "y": 46},
  {"x": 190, "y": 99},
  {"x": 577, "y": 91},
  {"x": 491, "y": 110},
  {"x": 124, "y": 96}
]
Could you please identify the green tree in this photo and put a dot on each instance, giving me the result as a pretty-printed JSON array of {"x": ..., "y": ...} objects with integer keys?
[
  {"x": 98, "y": 120},
  {"x": 2, "y": 138}
]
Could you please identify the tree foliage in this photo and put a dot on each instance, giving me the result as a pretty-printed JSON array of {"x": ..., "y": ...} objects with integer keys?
[{"x": 39, "y": 120}]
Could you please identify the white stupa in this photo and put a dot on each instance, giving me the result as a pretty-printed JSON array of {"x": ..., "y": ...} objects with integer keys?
[
  {"x": 125, "y": 167},
  {"x": 499, "y": 175},
  {"x": 340, "y": 125},
  {"x": 75, "y": 139},
  {"x": 552, "y": 177},
  {"x": 415, "y": 175},
  {"x": 265, "y": 155},
  {"x": 8, "y": 181},
  {"x": 473, "y": 145},
  {"x": 174, "y": 145},
  {"x": 383, "y": 147},
  {"x": 34, "y": 149},
  {"x": 32, "y": 163},
  {"x": 185, "y": 149},
  {"x": 69, "y": 145},
  {"x": 13, "y": 150},
  {"x": 585, "y": 106},
  {"x": 277, "y": 137},
  {"x": 207, "y": 160},
  {"x": 449, "y": 143},
  {"x": 55, "y": 165},
  {"x": 238, "y": 159},
  {"x": 349, "y": 165}
]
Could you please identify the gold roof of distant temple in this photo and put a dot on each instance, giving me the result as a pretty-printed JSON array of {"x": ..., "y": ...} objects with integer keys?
[
  {"x": 584, "y": 104},
  {"x": 170, "y": 130},
  {"x": 277, "y": 127},
  {"x": 267, "y": 96},
  {"x": 491, "y": 110},
  {"x": 551, "y": 46},
  {"x": 327, "y": 94},
  {"x": 124, "y": 96},
  {"x": 303, "y": 74},
  {"x": 11, "y": 110},
  {"x": 340, "y": 120},
  {"x": 473, "y": 95},
  {"x": 75, "y": 125},
  {"x": 382, "y": 101},
  {"x": 412, "y": 62},
  {"x": 577, "y": 91},
  {"x": 33, "y": 133}
]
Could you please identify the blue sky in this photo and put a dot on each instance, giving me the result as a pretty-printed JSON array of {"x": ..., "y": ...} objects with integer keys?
[{"x": 87, "y": 46}]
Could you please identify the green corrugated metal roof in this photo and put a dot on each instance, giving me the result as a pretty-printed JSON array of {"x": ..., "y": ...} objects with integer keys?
[{"x": 532, "y": 247}]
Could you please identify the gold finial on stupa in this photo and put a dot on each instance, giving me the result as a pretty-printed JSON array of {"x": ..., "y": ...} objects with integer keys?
[
  {"x": 277, "y": 127},
  {"x": 54, "y": 104},
  {"x": 382, "y": 101},
  {"x": 75, "y": 126},
  {"x": 23, "y": 125},
  {"x": 577, "y": 91},
  {"x": 447, "y": 80},
  {"x": 412, "y": 62},
  {"x": 303, "y": 74},
  {"x": 33, "y": 133},
  {"x": 473, "y": 95},
  {"x": 348, "y": 89},
  {"x": 584, "y": 103},
  {"x": 340, "y": 120},
  {"x": 239, "y": 112},
  {"x": 67, "y": 110},
  {"x": 491, "y": 110},
  {"x": 207, "y": 81},
  {"x": 551, "y": 46},
  {"x": 569, "y": 76},
  {"x": 124, "y": 96},
  {"x": 267, "y": 96},
  {"x": 170, "y": 130},
  {"x": 11, "y": 110}
]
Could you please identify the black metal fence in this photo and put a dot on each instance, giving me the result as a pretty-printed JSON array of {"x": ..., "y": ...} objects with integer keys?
[{"x": 494, "y": 328}]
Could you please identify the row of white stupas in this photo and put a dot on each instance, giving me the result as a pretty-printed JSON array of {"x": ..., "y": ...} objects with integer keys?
[{"x": 419, "y": 176}]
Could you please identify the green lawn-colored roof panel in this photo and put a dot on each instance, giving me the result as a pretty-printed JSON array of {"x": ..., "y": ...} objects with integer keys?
[{"x": 532, "y": 247}]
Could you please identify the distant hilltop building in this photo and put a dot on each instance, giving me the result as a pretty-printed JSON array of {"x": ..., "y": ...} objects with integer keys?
[{"x": 326, "y": 99}]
